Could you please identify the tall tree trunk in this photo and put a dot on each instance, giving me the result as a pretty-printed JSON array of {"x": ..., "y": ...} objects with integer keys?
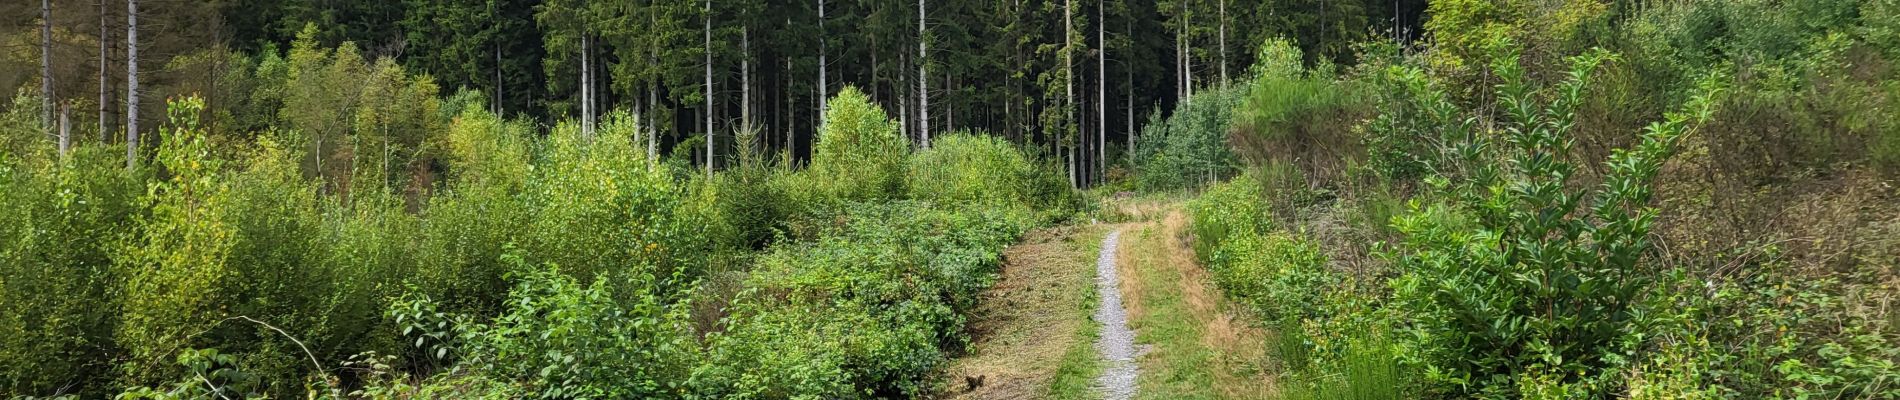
[
  {"x": 1187, "y": 51},
  {"x": 496, "y": 103},
  {"x": 103, "y": 85},
  {"x": 824, "y": 92},
  {"x": 46, "y": 64},
  {"x": 653, "y": 127},
  {"x": 745, "y": 79},
  {"x": 709, "y": 92},
  {"x": 1129, "y": 29},
  {"x": 1101, "y": 90},
  {"x": 653, "y": 101},
  {"x": 1068, "y": 79},
  {"x": 131, "y": 83},
  {"x": 785, "y": 91},
  {"x": 1223, "y": 42},
  {"x": 949, "y": 110},
  {"x": 923, "y": 77},
  {"x": 65, "y": 129},
  {"x": 586, "y": 90}
]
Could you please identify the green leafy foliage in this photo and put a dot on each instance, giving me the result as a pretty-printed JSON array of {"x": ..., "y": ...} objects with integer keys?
[
  {"x": 867, "y": 310},
  {"x": 1517, "y": 280},
  {"x": 859, "y": 154},
  {"x": 974, "y": 170},
  {"x": 1189, "y": 148}
]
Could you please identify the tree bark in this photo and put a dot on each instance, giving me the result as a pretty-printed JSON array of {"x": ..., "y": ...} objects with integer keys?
[
  {"x": 1068, "y": 79},
  {"x": 103, "y": 85},
  {"x": 709, "y": 93},
  {"x": 587, "y": 92},
  {"x": 46, "y": 63},
  {"x": 65, "y": 129},
  {"x": 923, "y": 77},
  {"x": 1129, "y": 29},
  {"x": 1223, "y": 42},
  {"x": 1101, "y": 91},
  {"x": 824, "y": 92},
  {"x": 131, "y": 83},
  {"x": 745, "y": 79}
]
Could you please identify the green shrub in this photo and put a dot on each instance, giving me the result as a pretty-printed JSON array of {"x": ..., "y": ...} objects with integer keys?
[
  {"x": 177, "y": 271},
  {"x": 1227, "y": 210},
  {"x": 1189, "y": 148},
  {"x": 597, "y": 207},
  {"x": 560, "y": 338},
  {"x": 867, "y": 310},
  {"x": 974, "y": 170},
  {"x": 1281, "y": 276},
  {"x": 859, "y": 154},
  {"x": 60, "y": 227},
  {"x": 1501, "y": 281},
  {"x": 1295, "y": 117}
]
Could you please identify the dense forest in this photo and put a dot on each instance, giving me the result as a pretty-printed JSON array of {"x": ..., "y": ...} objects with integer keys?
[
  {"x": 1068, "y": 75},
  {"x": 1552, "y": 199}
]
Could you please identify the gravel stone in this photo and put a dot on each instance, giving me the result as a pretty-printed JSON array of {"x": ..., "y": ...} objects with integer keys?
[{"x": 1116, "y": 343}]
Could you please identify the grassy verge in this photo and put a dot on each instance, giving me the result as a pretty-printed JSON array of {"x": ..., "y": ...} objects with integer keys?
[
  {"x": 1080, "y": 364},
  {"x": 1032, "y": 335},
  {"x": 1202, "y": 347}
]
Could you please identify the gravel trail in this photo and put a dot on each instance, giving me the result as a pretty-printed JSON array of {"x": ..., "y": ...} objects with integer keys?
[{"x": 1116, "y": 342}]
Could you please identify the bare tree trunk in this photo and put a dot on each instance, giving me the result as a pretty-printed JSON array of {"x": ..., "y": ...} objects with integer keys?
[
  {"x": 587, "y": 92},
  {"x": 745, "y": 79},
  {"x": 923, "y": 77},
  {"x": 103, "y": 100},
  {"x": 709, "y": 92},
  {"x": 131, "y": 83},
  {"x": 653, "y": 104},
  {"x": 1101, "y": 90},
  {"x": 1129, "y": 29},
  {"x": 1068, "y": 78},
  {"x": 653, "y": 127},
  {"x": 786, "y": 93},
  {"x": 949, "y": 111},
  {"x": 824, "y": 92},
  {"x": 498, "y": 93},
  {"x": 1223, "y": 42},
  {"x": 65, "y": 129},
  {"x": 46, "y": 64}
]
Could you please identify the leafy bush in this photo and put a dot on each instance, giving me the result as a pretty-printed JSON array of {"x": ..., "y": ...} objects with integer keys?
[
  {"x": 859, "y": 153},
  {"x": 175, "y": 274},
  {"x": 1226, "y": 211},
  {"x": 1189, "y": 148},
  {"x": 560, "y": 338},
  {"x": 598, "y": 207},
  {"x": 1293, "y": 116},
  {"x": 1281, "y": 275},
  {"x": 60, "y": 226},
  {"x": 867, "y": 310},
  {"x": 974, "y": 170},
  {"x": 1521, "y": 285}
]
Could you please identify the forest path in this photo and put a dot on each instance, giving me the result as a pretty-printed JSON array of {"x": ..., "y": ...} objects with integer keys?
[
  {"x": 1200, "y": 344},
  {"x": 1035, "y": 333},
  {"x": 1031, "y": 336},
  {"x": 1116, "y": 343}
]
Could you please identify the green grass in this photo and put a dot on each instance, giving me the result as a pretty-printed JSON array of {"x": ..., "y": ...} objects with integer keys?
[
  {"x": 1080, "y": 365},
  {"x": 1183, "y": 364}
]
